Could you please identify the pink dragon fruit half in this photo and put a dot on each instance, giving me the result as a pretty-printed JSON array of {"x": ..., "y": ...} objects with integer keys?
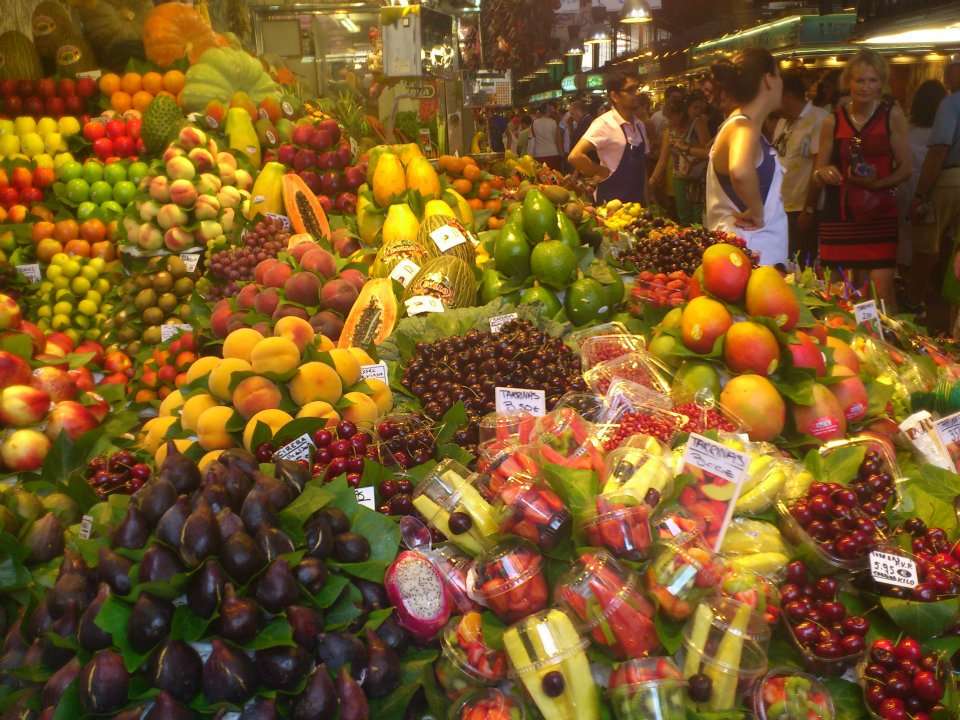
[{"x": 419, "y": 595}]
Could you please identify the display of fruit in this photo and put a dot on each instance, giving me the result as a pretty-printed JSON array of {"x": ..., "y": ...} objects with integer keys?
[
  {"x": 39, "y": 519},
  {"x": 651, "y": 687},
  {"x": 482, "y": 189},
  {"x": 406, "y": 440},
  {"x": 99, "y": 189},
  {"x": 88, "y": 239},
  {"x": 660, "y": 246},
  {"x": 165, "y": 370},
  {"x": 467, "y": 660},
  {"x": 320, "y": 153},
  {"x": 133, "y": 91},
  {"x": 157, "y": 296},
  {"x": 76, "y": 296},
  {"x": 901, "y": 680},
  {"x": 781, "y": 694},
  {"x": 662, "y": 290},
  {"x": 21, "y": 188},
  {"x": 47, "y": 97},
  {"x": 509, "y": 580},
  {"x": 43, "y": 139},
  {"x": 233, "y": 265},
  {"x": 341, "y": 448},
  {"x": 120, "y": 472},
  {"x": 115, "y": 137}
]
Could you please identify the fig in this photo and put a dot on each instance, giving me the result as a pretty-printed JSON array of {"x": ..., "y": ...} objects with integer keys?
[
  {"x": 44, "y": 539},
  {"x": 277, "y": 587},
  {"x": 350, "y": 547},
  {"x": 339, "y": 522},
  {"x": 383, "y": 667},
  {"x": 90, "y": 635},
  {"x": 312, "y": 574},
  {"x": 393, "y": 636},
  {"x": 256, "y": 512},
  {"x": 277, "y": 493},
  {"x": 70, "y": 588},
  {"x": 39, "y": 622},
  {"x": 155, "y": 498},
  {"x": 238, "y": 483},
  {"x": 273, "y": 543},
  {"x": 318, "y": 699},
  {"x": 159, "y": 564},
  {"x": 353, "y": 703},
  {"x": 176, "y": 668},
  {"x": 72, "y": 563},
  {"x": 260, "y": 709},
  {"x": 319, "y": 537},
  {"x": 239, "y": 617},
  {"x": 419, "y": 595},
  {"x": 200, "y": 536},
  {"x": 55, "y": 655},
  {"x": 149, "y": 622},
  {"x": 171, "y": 522},
  {"x": 228, "y": 523},
  {"x": 241, "y": 557},
  {"x": 103, "y": 683},
  {"x": 307, "y": 624},
  {"x": 55, "y": 686},
  {"x": 239, "y": 459},
  {"x": 374, "y": 596},
  {"x": 133, "y": 530},
  {"x": 228, "y": 675},
  {"x": 336, "y": 649},
  {"x": 293, "y": 474},
  {"x": 206, "y": 588},
  {"x": 179, "y": 470},
  {"x": 165, "y": 707},
  {"x": 114, "y": 570},
  {"x": 216, "y": 496},
  {"x": 281, "y": 667}
]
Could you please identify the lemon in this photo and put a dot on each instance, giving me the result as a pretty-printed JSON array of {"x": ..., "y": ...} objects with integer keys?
[
  {"x": 60, "y": 258},
  {"x": 87, "y": 307},
  {"x": 62, "y": 159},
  {"x": 61, "y": 283},
  {"x": 44, "y": 311},
  {"x": 71, "y": 268},
  {"x": 68, "y": 125},
  {"x": 60, "y": 322},
  {"x": 53, "y": 272},
  {"x": 103, "y": 286},
  {"x": 97, "y": 263},
  {"x": 43, "y": 160},
  {"x": 90, "y": 273},
  {"x": 31, "y": 144},
  {"x": 81, "y": 321},
  {"x": 62, "y": 308},
  {"x": 79, "y": 285},
  {"x": 24, "y": 124},
  {"x": 54, "y": 142},
  {"x": 63, "y": 292},
  {"x": 94, "y": 296},
  {"x": 6, "y": 127},
  {"x": 9, "y": 145},
  {"x": 46, "y": 125}
]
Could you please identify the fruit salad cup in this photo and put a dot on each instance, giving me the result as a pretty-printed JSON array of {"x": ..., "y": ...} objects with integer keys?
[
  {"x": 527, "y": 508},
  {"x": 623, "y": 528},
  {"x": 466, "y": 661},
  {"x": 449, "y": 502},
  {"x": 648, "y": 689},
  {"x": 509, "y": 580},
  {"x": 683, "y": 571},
  {"x": 487, "y": 704},
  {"x": 642, "y": 472},
  {"x": 548, "y": 657},
  {"x": 604, "y": 601},
  {"x": 790, "y": 695},
  {"x": 563, "y": 437},
  {"x": 600, "y": 348},
  {"x": 503, "y": 427},
  {"x": 455, "y": 568},
  {"x": 757, "y": 591}
]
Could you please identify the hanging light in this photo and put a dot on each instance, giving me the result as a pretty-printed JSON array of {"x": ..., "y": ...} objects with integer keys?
[
  {"x": 555, "y": 61},
  {"x": 635, "y": 16},
  {"x": 572, "y": 52},
  {"x": 597, "y": 38}
]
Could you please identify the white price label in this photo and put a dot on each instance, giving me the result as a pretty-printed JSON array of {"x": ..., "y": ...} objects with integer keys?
[
  {"x": 169, "y": 331},
  {"x": 893, "y": 569},
  {"x": 367, "y": 497},
  {"x": 297, "y": 449},
  {"x": 92, "y": 74},
  {"x": 447, "y": 236},
  {"x": 282, "y": 218},
  {"x": 670, "y": 525},
  {"x": 512, "y": 400},
  {"x": 377, "y": 370},
  {"x": 287, "y": 108},
  {"x": 190, "y": 261},
  {"x": 212, "y": 122},
  {"x": 866, "y": 314},
  {"x": 498, "y": 321},
  {"x": 419, "y": 304},
  {"x": 716, "y": 458},
  {"x": 404, "y": 272},
  {"x": 86, "y": 527},
  {"x": 31, "y": 272},
  {"x": 948, "y": 428}
]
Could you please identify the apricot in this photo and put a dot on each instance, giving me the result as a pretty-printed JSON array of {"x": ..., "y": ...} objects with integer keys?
[
  {"x": 315, "y": 381},
  {"x": 347, "y": 366},
  {"x": 240, "y": 343},
  {"x": 360, "y": 354},
  {"x": 751, "y": 347},
  {"x": 193, "y": 408},
  {"x": 296, "y": 330},
  {"x": 381, "y": 394},
  {"x": 320, "y": 409},
  {"x": 755, "y": 401},
  {"x": 254, "y": 394},
  {"x": 221, "y": 375},
  {"x": 207, "y": 460},
  {"x": 703, "y": 321},
  {"x": 182, "y": 445},
  {"x": 202, "y": 366},
  {"x": 212, "y": 428},
  {"x": 274, "y": 419},
  {"x": 323, "y": 343},
  {"x": 153, "y": 432},
  {"x": 361, "y": 409},
  {"x": 275, "y": 355},
  {"x": 171, "y": 403}
]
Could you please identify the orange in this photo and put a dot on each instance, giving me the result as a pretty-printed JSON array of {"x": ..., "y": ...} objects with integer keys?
[
  {"x": 17, "y": 213},
  {"x": 142, "y": 100},
  {"x": 42, "y": 229},
  {"x": 173, "y": 81},
  {"x": 77, "y": 247},
  {"x": 131, "y": 83},
  {"x": 456, "y": 165},
  {"x": 475, "y": 203},
  {"x": 462, "y": 186},
  {"x": 471, "y": 172},
  {"x": 65, "y": 230},
  {"x": 104, "y": 249},
  {"x": 93, "y": 230},
  {"x": 493, "y": 205},
  {"x": 497, "y": 182},
  {"x": 469, "y": 160},
  {"x": 152, "y": 82},
  {"x": 109, "y": 83},
  {"x": 121, "y": 101},
  {"x": 444, "y": 162},
  {"x": 164, "y": 92},
  {"x": 484, "y": 190},
  {"x": 495, "y": 223},
  {"x": 42, "y": 212}
]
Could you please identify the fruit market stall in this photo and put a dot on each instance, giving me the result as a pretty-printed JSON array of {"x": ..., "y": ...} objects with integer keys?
[{"x": 297, "y": 424}]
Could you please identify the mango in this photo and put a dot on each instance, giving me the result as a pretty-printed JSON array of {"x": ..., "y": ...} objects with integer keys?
[
  {"x": 768, "y": 295},
  {"x": 824, "y": 418},
  {"x": 755, "y": 401},
  {"x": 692, "y": 378},
  {"x": 806, "y": 353},
  {"x": 275, "y": 355},
  {"x": 219, "y": 379},
  {"x": 275, "y": 419},
  {"x": 703, "y": 321},
  {"x": 369, "y": 220},
  {"x": 240, "y": 343},
  {"x": 726, "y": 270},
  {"x": 850, "y": 393},
  {"x": 843, "y": 354},
  {"x": 750, "y": 347},
  {"x": 423, "y": 178},
  {"x": 315, "y": 381},
  {"x": 389, "y": 180},
  {"x": 401, "y": 224},
  {"x": 212, "y": 428}
]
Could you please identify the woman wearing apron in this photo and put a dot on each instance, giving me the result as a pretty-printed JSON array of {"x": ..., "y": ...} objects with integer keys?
[{"x": 744, "y": 174}]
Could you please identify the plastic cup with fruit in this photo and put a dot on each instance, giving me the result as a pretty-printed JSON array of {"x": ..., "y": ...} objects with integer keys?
[
  {"x": 899, "y": 680},
  {"x": 642, "y": 472},
  {"x": 607, "y": 606},
  {"x": 790, "y": 695},
  {"x": 548, "y": 657},
  {"x": 449, "y": 501},
  {"x": 683, "y": 572},
  {"x": 487, "y": 704},
  {"x": 621, "y": 525},
  {"x": 564, "y": 438},
  {"x": 650, "y": 688},
  {"x": 578, "y": 337},
  {"x": 527, "y": 507},
  {"x": 466, "y": 660},
  {"x": 753, "y": 589},
  {"x": 600, "y": 348},
  {"x": 937, "y": 563},
  {"x": 637, "y": 366},
  {"x": 509, "y": 579},
  {"x": 517, "y": 426}
]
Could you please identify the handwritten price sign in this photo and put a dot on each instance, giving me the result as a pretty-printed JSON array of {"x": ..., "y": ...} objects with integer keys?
[
  {"x": 513, "y": 400},
  {"x": 893, "y": 569}
]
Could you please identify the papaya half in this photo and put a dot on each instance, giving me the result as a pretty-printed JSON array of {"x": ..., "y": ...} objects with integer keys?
[
  {"x": 372, "y": 317},
  {"x": 304, "y": 210}
]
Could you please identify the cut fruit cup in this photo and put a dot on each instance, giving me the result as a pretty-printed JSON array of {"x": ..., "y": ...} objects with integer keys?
[
  {"x": 516, "y": 426},
  {"x": 821, "y": 665},
  {"x": 527, "y": 508},
  {"x": 788, "y": 695},
  {"x": 621, "y": 527},
  {"x": 449, "y": 502},
  {"x": 466, "y": 661},
  {"x": 509, "y": 580},
  {"x": 683, "y": 571},
  {"x": 651, "y": 688},
  {"x": 605, "y": 602},
  {"x": 721, "y": 646},
  {"x": 635, "y": 409},
  {"x": 637, "y": 366},
  {"x": 641, "y": 470},
  {"x": 755, "y": 590},
  {"x": 487, "y": 704},
  {"x": 564, "y": 438},
  {"x": 455, "y": 568},
  {"x": 600, "y": 348},
  {"x": 877, "y": 690}
]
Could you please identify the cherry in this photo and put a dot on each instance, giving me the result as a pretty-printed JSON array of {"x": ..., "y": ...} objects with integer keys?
[
  {"x": 927, "y": 687},
  {"x": 806, "y": 632},
  {"x": 898, "y": 684},
  {"x": 346, "y": 429},
  {"x": 797, "y": 573},
  {"x": 322, "y": 438},
  {"x": 553, "y": 684},
  {"x": 341, "y": 448},
  {"x": 405, "y": 485},
  {"x": 388, "y": 488},
  {"x": 908, "y": 667},
  {"x": 892, "y": 709},
  {"x": 353, "y": 479},
  {"x": 828, "y": 649},
  {"x": 826, "y": 588},
  {"x": 908, "y": 649},
  {"x": 875, "y": 695},
  {"x": 323, "y": 456},
  {"x": 832, "y": 611},
  {"x": 355, "y": 464},
  {"x": 790, "y": 592},
  {"x": 798, "y": 609},
  {"x": 459, "y": 523},
  {"x": 699, "y": 687},
  {"x": 264, "y": 452},
  {"x": 856, "y": 625},
  {"x": 401, "y": 505}
]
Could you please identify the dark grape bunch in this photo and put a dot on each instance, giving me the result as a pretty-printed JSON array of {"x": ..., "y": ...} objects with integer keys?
[
  {"x": 670, "y": 248},
  {"x": 469, "y": 367},
  {"x": 121, "y": 473},
  {"x": 264, "y": 240}
]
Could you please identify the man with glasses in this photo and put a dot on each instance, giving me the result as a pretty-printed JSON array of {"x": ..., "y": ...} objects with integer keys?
[
  {"x": 619, "y": 139},
  {"x": 796, "y": 139}
]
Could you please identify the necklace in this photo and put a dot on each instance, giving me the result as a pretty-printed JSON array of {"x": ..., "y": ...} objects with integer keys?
[{"x": 856, "y": 118}]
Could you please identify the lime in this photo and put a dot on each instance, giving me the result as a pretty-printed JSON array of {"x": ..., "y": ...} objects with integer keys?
[
  {"x": 70, "y": 170},
  {"x": 663, "y": 347},
  {"x": 86, "y": 210},
  {"x": 114, "y": 173},
  {"x": 62, "y": 308},
  {"x": 60, "y": 322},
  {"x": 511, "y": 252},
  {"x": 94, "y": 296},
  {"x": 89, "y": 272},
  {"x": 79, "y": 285},
  {"x": 539, "y": 294},
  {"x": 54, "y": 271},
  {"x": 44, "y": 311},
  {"x": 586, "y": 301},
  {"x": 614, "y": 290},
  {"x": 78, "y": 190},
  {"x": 61, "y": 283},
  {"x": 124, "y": 191},
  {"x": 111, "y": 208},
  {"x": 553, "y": 263},
  {"x": 71, "y": 268},
  {"x": 100, "y": 191},
  {"x": 539, "y": 217},
  {"x": 691, "y": 378},
  {"x": 81, "y": 321},
  {"x": 92, "y": 171},
  {"x": 137, "y": 171},
  {"x": 87, "y": 307}
]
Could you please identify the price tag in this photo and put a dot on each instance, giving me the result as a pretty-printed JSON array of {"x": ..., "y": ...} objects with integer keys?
[
  {"x": 287, "y": 108},
  {"x": 31, "y": 272},
  {"x": 86, "y": 527},
  {"x": 404, "y": 272},
  {"x": 948, "y": 430},
  {"x": 719, "y": 472},
  {"x": 190, "y": 261},
  {"x": 498, "y": 321},
  {"x": 282, "y": 218},
  {"x": 892, "y": 569},
  {"x": 169, "y": 331},
  {"x": 419, "y": 304},
  {"x": 92, "y": 74},
  {"x": 447, "y": 236},
  {"x": 367, "y": 497},
  {"x": 377, "y": 370},
  {"x": 212, "y": 122},
  {"x": 297, "y": 449},
  {"x": 512, "y": 400},
  {"x": 866, "y": 314}
]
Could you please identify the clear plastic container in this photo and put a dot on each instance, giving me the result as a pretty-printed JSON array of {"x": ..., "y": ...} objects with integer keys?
[
  {"x": 455, "y": 568},
  {"x": 683, "y": 572},
  {"x": 563, "y": 437},
  {"x": 448, "y": 501},
  {"x": 785, "y": 694},
  {"x": 548, "y": 657},
  {"x": 820, "y": 665},
  {"x": 589, "y": 406},
  {"x": 509, "y": 580},
  {"x": 605, "y": 603},
  {"x": 754, "y": 589},
  {"x": 660, "y": 295},
  {"x": 636, "y": 473},
  {"x": 578, "y": 337},
  {"x": 487, "y": 704},
  {"x": 527, "y": 507},
  {"x": 465, "y": 660},
  {"x": 638, "y": 367},
  {"x": 623, "y": 528},
  {"x": 942, "y": 671},
  {"x": 516, "y": 426},
  {"x": 600, "y": 348},
  {"x": 650, "y": 688},
  {"x": 637, "y": 409},
  {"x": 879, "y": 455}
]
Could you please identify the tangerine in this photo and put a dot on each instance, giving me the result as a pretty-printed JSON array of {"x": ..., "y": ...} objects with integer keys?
[
  {"x": 475, "y": 203},
  {"x": 77, "y": 247},
  {"x": 93, "y": 230},
  {"x": 152, "y": 82},
  {"x": 121, "y": 101},
  {"x": 65, "y": 230},
  {"x": 141, "y": 100},
  {"x": 484, "y": 190},
  {"x": 41, "y": 230},
  {"x": 471, "y": 171},
  {"x": 173, "y": 81},
  {"x": 109, "y": 83},
  {"x": 131, "y": 83},
  {"x": 493, "y": 205},
  {"x": 462, "y": 186}
]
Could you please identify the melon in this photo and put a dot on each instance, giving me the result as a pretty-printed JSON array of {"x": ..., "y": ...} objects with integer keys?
[
  {"x": 18, "y": 57},
  {"x": 393, "y": 253},
  {"x": 446, "y": 277},
  {"x": 448, "y": 236}
]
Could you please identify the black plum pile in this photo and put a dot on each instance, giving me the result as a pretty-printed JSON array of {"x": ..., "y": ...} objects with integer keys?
[{"x": 666, "y": 248}]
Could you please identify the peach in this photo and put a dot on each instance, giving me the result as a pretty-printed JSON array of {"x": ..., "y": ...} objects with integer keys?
[
  {"x": 229, "y": 197},
  {"x": 824, "y": 418},
  {"x": 323, "y": 343},
  {"x": 266, "y": 301},
  {"x": 843, "y": 354},
  {"x": 153, "y": 432},
  {"x": 202, "y": 366},
  {"x": 345, "y": 245},
  {"x": 14, "y": 370},
  {"x": 227, "y": 219},
  {"x": 221, "y": 376},
  {"x": 240, "y": 343},
  {"x": 755, "y": 400},
  {"x": 160, "y": 189},
  {"x": 751, "y": 347},
  {"x": 219, "y": 318},
  {"x": 360, "y": 409},
  {"x": 202, "y": 159},
  {"x": 227, "y": 174},
  {"x": 70, "y": 417},
  {"x": 207, "y": 207},
  {"x": 277, "y": 274},
  {"x": 299, "y": 245},
  {"x": 171, "y": 404},
  {"x": 243, "y": 179},
  {"x": 702, "y": 323},
  {"x": 327, "y": 324},
  {"x": 55, "y": 382},
  {"x": 275, "y": 355},
  {"x": 381, "y": 395},
  {"x": 22, "y": 405},
  {"x": 295, "y": 329},
  {"x": 171, "y": 215},
  {"x": 263, "y": 327},
  {"x": 347, "y": 366},
  {"x": 361, "y": 355},
  {"x": 97, "y": 405},
  {"x": 177, "y": 239},
  {"x": 182, "y": 445},
  {"x": 315, "y": 381},
  {"x": 236, "y": 321},
  {"x": 212, "y": 428},
  {"x": 209, "y": 184},
  {"x": 208, "y": 230},
  {"x": 191, "y": 137},
  {"x": 183, "y": 193},
  {"x": 35, "y": 333},
  {"x": 338, "y": 295},
  {"x": 226, "y": 158},
  {"x": 354, "y": 277},
  {"x": 172, "y": 151},
  {"x": 261, "y": 268},
  {"x": 850, "y": 392},
  {"x": 317, "y": 260},
  {"x": 149, "y": 209},
  {"x": 180, "y": 168},
  {"x": 302, "y": 287},
  {"x": 116, "y": 361},
  {"x": 247, "y": 296},
  {"x": 10, "y": 317},
  {"x": 193, "y": 408},
  {"x": 274, "y": 419},
  {"x": 150, "y": 237},
  {"x": 254, "y": 394},
  {"x": 320, "y": 409},
  {"x": 82, "y": 378},
  {"x": 24, "y": 450}
]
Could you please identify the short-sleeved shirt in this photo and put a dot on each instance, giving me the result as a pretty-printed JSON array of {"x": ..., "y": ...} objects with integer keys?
[
  {"x": 545, "y": 137},
  {"x": 946, "y": 128},
  {"x": 797, "y": 142},
  {"x": 607, "y": 134}
]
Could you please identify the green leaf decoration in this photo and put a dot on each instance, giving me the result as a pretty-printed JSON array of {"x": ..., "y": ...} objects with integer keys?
[
  {"x": 277, "y": 632},
  {"x": 922, "y": 620},
  {"x": 847, "y": 699},
  {"x": 415, "y": 669},
  {"x": 113, "y": 618},
  {"x": 669, "y": 632}
]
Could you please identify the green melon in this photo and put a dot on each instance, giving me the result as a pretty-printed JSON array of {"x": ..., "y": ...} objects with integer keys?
[
  {"x": 391, "y": 254},
  {"x": 18, "y": 57},
  {"x": 51, "y": 27},
  {"x": 446, "y": 277},
  {"x": 437, "y": 231}
]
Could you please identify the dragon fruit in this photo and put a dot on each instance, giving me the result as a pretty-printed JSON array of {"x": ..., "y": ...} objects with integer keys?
[{"x": 418, "y": 592}]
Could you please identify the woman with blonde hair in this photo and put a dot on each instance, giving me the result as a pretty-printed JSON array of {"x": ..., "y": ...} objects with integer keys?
[{"x": 864, "y": 155}]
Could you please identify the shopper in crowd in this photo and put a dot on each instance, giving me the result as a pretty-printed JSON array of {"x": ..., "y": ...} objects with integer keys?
[
  {"x": 525, "y": 136},
  {"x": 582, "y": 118},
  {"x": 620, "y": 141},
  {"x": 936, "y": 202},
  {"x": 547, "y": 140},
  {"x": 498, "y": 125},
  {"x": 511, "y": 133},
  {"x": 863, "y": 156},
  {"x": 684, "y": 153},
  {"x": 828, "y": 90},
  {"x": 715, "y": 108},
  {"x": 744, "y": 175},
  {"x": 797, "y": 141},
  {"x": 659, "y": 119},
  {"x": 566, "y": 131}
]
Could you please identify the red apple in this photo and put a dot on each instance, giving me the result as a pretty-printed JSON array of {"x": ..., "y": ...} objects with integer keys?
[
  {"x": 31, "y": 195},
  {"x": 91, "y": 346},
  {"x": 86, "y": 87},
  {"x": 24, "y": 450},
  {"x": 8, "y": 87},
  {"x": 94, "y": 130},
  {"x": 33, "y": 106},
  {"x": 55, "y": 382},
  {"x": 10, "y": 317},
  {"x": 14, "y": 370},
  {"x": 9, "y": 196},
  {"x": 47, "y": 87},
  {"x": 25, "y": 87},
  {"x": 67, "y": 87},
  {"x": 103, "y": 147},
  {"x": 73, "y": 105},
  {"x": 54, "y": 106},
  {"x": 70, "y": 417},
  {"x": 123, "y": 146},
  {"x": 133, "y": 127},
  {"x": 13, "y": 105},
  {"x": 23, "y": 405},
  {"x": 43, "y": 177}
]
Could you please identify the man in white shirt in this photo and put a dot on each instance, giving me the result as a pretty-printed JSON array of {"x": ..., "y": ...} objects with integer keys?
[
  {"x": 619, "y": 139},
  {"x": 797, "y": 139}
]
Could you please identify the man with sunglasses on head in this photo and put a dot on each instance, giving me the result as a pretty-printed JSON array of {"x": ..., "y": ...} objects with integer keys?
[{"x": 619, "y": 139}]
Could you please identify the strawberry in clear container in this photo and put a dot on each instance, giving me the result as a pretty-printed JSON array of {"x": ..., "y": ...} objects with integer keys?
[
  {"x": 623, "y": 528},
  {"x": 466, "y": 660},
  {"x": 509, "y": 580},
  {"x": 683, "y": 572},
  {"x": 526, "y": 508},
  {"x": 565, "y": 438},
  {"x": 488, "y": 704},
  {"x": 648, "y": 689}
]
